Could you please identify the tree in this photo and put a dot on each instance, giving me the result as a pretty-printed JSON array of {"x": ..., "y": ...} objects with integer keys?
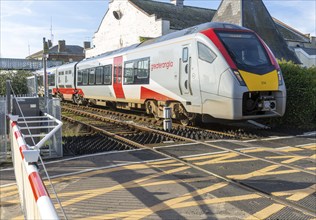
[{"x": 18, "y": 81}]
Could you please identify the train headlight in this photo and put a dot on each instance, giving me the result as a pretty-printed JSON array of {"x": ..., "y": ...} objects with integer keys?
[
  {"x": 239, "y": 78},
  {"x": 280, "y": 77}
]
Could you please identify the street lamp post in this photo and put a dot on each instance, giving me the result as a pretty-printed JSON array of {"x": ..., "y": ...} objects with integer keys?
[{"x": 45, "y": 78}]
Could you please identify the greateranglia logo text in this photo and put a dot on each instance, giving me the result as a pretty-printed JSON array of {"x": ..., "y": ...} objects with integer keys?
[{"x": 165, "y": 65}]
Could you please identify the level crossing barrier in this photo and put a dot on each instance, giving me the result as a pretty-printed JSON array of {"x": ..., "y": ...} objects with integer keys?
[{"x": 35, "y": 200}]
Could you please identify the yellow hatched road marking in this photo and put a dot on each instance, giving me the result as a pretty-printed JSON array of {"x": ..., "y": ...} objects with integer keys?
[
  {"x": 298, "y": 194},
  {"x": 223, "y": 158},
  {"x": 310, "y": 147},
  {"x": 263, "y": 172},
  {"x": 166, "y": 182},
  {"x": 104, "y": 171},
  {"x": 8, "y": 188},
  {"x": 216, "y": 200},
  {"x": 98, "y": 192},
  {"x": 162, "y": 162},
  {"x": 267, "y": 212},
  {"x": 143, "y": 212},
  {"x": 255, "y": 150},
  {"x": 296, "y": 158},
  {"x": 7, "y": 194},
  {"x": 313, "y": 156},
  {"x": 225, "y": 161},
  {"x": 11, "y": 202},
  {"x": 291, "y": 158},
  {"x": 220, "y": 155},
  {"x": 291, "y": 149},
  {"x": 21, "y": 217}
]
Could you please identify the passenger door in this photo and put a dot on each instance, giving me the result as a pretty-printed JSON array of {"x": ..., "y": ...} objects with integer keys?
[
  {"x": 185, "y": 71},
  {"x": 117, "y": 77}
]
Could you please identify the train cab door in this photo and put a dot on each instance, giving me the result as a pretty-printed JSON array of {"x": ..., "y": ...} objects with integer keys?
[
  {"x": 185, "y": 71},
  {"x": 117, "y": 77}
]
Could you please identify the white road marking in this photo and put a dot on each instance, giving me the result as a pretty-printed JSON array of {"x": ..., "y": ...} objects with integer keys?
[
  {"x": 205, "y": 154},
  {"x": 175, "y": 145}
]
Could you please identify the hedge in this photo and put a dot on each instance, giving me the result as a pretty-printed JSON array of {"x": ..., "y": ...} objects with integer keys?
[
  {"x": 301, "y": 96},
  {"x": 18, "y": 81}
]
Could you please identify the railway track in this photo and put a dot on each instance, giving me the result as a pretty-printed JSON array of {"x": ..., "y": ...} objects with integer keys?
[
  {"x": 178, "y": 130},
  {"x": 138, "y": 136}
]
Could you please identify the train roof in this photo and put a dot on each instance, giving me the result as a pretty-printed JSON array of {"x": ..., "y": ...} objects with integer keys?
[{"x": 176, "y": 34}]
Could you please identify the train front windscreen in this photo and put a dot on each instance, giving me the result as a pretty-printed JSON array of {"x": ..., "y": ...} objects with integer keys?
[{"x": 247, "y": 51}]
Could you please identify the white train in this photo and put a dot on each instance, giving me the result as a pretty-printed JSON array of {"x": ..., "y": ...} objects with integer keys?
[{"x": 215, "y": 70}]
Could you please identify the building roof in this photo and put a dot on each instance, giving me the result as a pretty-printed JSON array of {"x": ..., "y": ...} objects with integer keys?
[
  {"x": 69, "y": 50},
  {"x": 180, "y": 17},
  {"x": 309, "y": 51},
  {"x": 290, "y": 33},
  {"x": 188, "y": 16}
]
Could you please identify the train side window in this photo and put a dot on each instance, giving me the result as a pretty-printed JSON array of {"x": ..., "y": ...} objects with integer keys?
[
  {"x": 107, "y": 73},
  {"x": 59, "y": 76},
  {"x": 137, "y": 71},
  {"x": 118, "y": 74},
  {"x": 143, "y": 69},
  {"x": 51, "y": 79},
  {"x": 99, "y": 75},
  {"x": 129, "y": 73},
  {"x": 185, "y": 54},
  {"x": 85, "y": 77},
  {"x": 205, "y": 53},
  {"x": 79, "y": 77},
  {"x": 91, "y": 76}
]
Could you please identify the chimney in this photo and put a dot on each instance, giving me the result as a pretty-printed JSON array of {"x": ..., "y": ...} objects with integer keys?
[
  {"x": 61, "y": 46},
  {"x": 49, "y": 43},
  {"x": 86, "y": 44},
  {"x": 177, "y": 2}
]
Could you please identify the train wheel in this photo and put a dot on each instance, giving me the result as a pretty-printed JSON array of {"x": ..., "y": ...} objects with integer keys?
[
  {"x": 185, "y": 121},
  {"x": 188, "y": 119},
  {"x": 75, "y": 99},
  {"x": 60, "y": 97}
]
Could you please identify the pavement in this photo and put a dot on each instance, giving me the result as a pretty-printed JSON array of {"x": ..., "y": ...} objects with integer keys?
[{"x": 141, "y": 184}]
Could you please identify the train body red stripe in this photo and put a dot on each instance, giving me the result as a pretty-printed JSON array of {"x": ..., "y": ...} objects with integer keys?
[
  {"x": 146, "y": 93},
  {"x": 214, "y": 38}
]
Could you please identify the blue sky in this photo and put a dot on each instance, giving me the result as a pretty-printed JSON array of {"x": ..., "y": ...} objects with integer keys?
[{"x": 24, "y": 23}]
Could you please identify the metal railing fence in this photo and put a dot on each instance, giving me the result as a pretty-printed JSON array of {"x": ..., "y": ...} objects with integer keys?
[
  {"x": 3, "y": 136},
  {"x": 35, "y": 200}
]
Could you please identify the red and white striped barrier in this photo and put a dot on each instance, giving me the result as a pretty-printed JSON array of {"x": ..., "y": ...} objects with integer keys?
[{"x": 43, "y": 204}]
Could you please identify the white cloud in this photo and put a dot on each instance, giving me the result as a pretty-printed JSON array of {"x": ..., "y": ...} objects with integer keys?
[{"x": 15, "y": 8}]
